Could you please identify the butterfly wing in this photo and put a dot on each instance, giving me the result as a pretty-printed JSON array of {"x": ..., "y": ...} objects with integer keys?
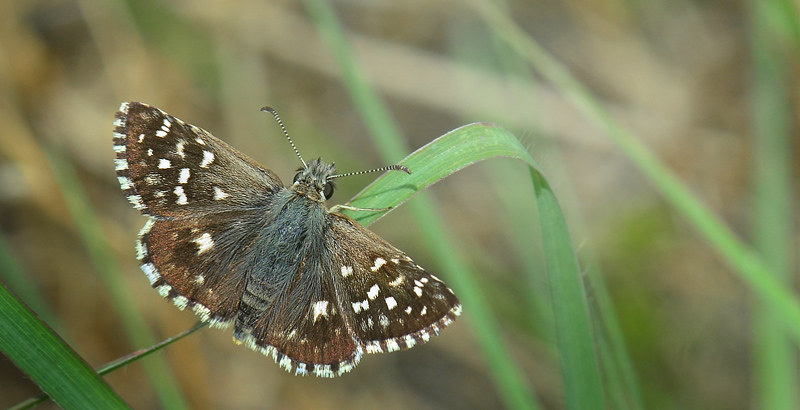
[
  {"x": 172, "y": 169},
  {"x": 202, "y": 195},
  {"x": 390, "y": 302}
]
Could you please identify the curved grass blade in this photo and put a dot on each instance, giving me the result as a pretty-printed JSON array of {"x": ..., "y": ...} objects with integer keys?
[
  {"x": 441, "y": 157},
  {"x": 457, "y": 150},
  {"x": 49, "y": 361}
]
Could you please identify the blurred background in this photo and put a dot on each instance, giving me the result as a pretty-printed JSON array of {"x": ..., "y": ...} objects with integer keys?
[{"x": 678, "y": 74}]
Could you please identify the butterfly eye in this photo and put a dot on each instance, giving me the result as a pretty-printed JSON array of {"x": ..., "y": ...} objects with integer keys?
[{"x": 328, "y": 190}]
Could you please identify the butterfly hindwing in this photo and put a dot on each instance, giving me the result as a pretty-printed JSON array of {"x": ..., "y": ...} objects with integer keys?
[{"x": 394, "y": 303}]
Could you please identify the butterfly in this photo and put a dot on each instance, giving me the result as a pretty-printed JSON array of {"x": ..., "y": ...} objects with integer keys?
[{"x": 302, "y": 283}]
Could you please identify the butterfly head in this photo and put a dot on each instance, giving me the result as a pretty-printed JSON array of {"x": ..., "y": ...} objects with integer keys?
[{"x": 316, "y": 177}]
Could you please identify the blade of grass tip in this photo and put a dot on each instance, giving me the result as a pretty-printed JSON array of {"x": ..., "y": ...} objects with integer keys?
[
  {"x": 101, "y": 256},
  {"x": 621, "y": 383},
  {"x": 50, "y": 362},
  {"x": 583, "y": 385},
  {"x": 444, "y": 156},
  {"x": 745, "y": 262},
  {"x": 775, "y": 358}
]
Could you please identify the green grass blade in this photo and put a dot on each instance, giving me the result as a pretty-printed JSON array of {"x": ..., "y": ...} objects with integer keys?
[
  {"x": 584, "y": 388},
  {"x": 775, "y": 378},
  {"x": 466, "y": 146},
  {"x": 441, "y": 157},
  {"x": 50, "y": 362}
]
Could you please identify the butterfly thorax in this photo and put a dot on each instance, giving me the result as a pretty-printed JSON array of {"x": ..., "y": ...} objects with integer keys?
[{"x": 312, "y": 181}]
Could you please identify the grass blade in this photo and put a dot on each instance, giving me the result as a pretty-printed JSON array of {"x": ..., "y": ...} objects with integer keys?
[
  {"x": 49, "y": 361},
  {"x": 775, "y": 375},
  {"x": 452, "y": 152}
]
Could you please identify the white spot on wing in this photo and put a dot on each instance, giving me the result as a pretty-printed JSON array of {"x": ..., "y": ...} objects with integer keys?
[
  {"x": 182, "y": 200},
  {"x": 320, "y": 309},
  {"x": 384, "y": 321},
  {"x": 204, "y": 243},
  {"x": 359, "y": 306},
  {"x": 179, "y": 149},
  {"x": 392, "y": 346},
  {"x": 418, "y": 291},
  {"x": 410, "y": 341},
  {"x": 208, "y": 158},
  {"x": 164, "y": 290},
  {"x": 425, "y": 335},
  {"x": 184, "y": 176},
  {"x": 400, "y": 279},
  {"x": 347, "y": 271},
  {"x": 120, "y": 164},
  {"x": 390, "y": 303},
  {"x": 181, "y": 302},
  {"x": 373, "y": 347},
  {"x": 152, "y": 274},
  {"x": 202, "y": 311},
  {"x": 373, "y": 292},
  {"x": 219, "y": 194},
  {"x": 378, "y": 263},
  {"x": 136, "y": 200},
  {"x": 124, "y": 183},
  {"x": 164, "y": 163}
]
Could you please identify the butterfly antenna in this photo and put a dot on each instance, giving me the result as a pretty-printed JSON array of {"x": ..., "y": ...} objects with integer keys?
[
  {"x": 286, "y": 133},
  {"x": 397, "y": 167}
]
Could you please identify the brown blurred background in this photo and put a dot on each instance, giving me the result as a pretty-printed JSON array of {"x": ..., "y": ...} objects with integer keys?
[{"x": 674, "y": 72}]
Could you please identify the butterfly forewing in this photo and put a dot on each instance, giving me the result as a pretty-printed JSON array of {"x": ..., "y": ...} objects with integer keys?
[
  {"x": 313, "y": 289},
  {"x": 170, "y": 168}
]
